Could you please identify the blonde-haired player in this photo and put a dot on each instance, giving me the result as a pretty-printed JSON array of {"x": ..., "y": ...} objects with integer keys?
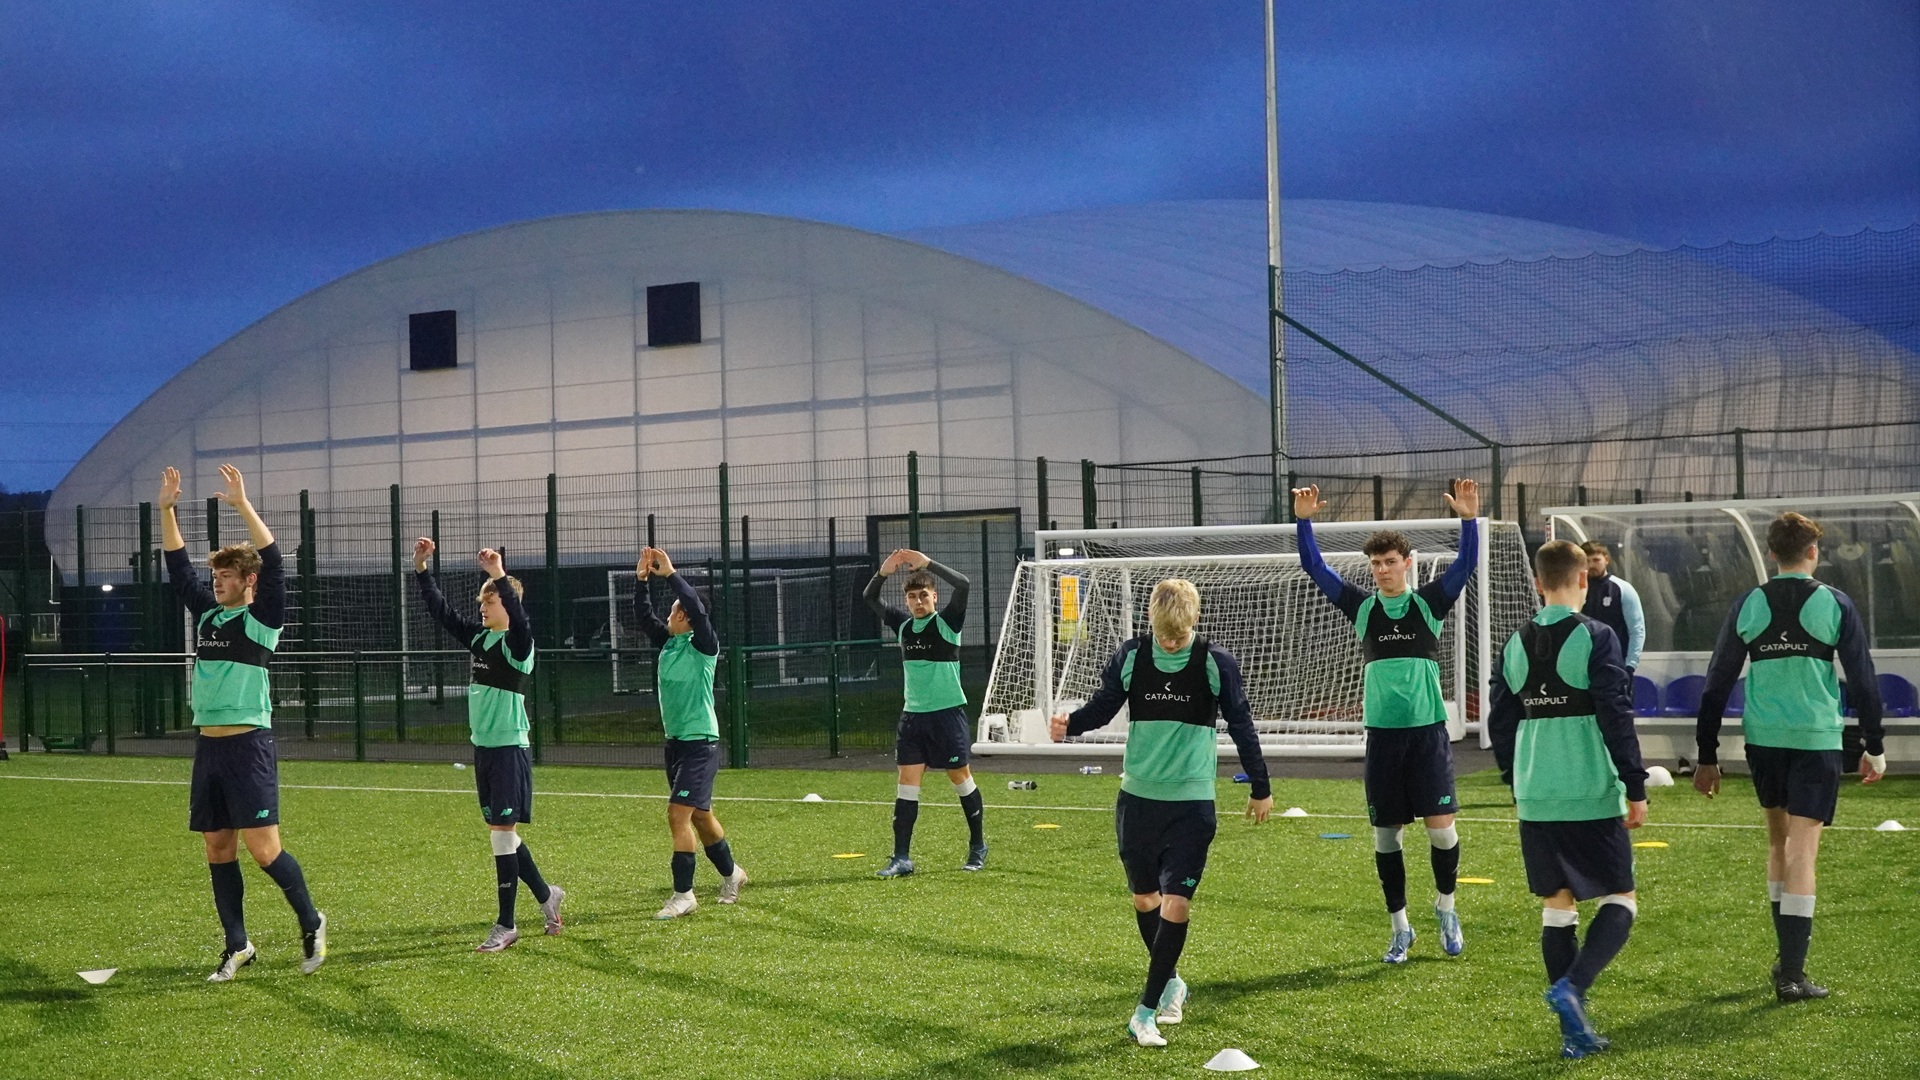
[{"x": 1165, "y": 814}]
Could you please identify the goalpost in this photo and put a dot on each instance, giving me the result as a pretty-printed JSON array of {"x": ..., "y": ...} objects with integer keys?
[{"x": 1071, "y": 607}]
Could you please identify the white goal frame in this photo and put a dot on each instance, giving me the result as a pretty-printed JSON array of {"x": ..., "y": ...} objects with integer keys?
[{"x": 1026, "y": 735}]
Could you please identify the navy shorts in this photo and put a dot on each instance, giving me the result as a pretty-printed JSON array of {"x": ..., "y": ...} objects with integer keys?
[
  {"x": 504, "y": 777},
  {"x": 1591, "y": 858},
  {"x": 938, "y": 740},
  {"x": 236, "y": 782},
  {"x": 1409, "y": 774},
  {"x": 1804, "y": 782},
  {"x": 691, "y": 765},
  {"x": 1163, "y": 845}
]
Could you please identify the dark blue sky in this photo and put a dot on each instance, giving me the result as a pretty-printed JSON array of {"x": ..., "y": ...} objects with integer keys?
[{"x": 171, "y": 172}]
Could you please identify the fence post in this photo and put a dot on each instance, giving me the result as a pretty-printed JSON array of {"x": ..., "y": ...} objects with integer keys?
[
  {"x": 1040, "y": 482},
  {"x": 359, "y": 710},
  {"x": 308, "y": 564},
  {"x": 85, "y": 628},
  {"x": 106, "y": 691},
  {"x": 1493, "y": 451},
  {"x": 1520, "y": 499},
  {"x": 726, "y": 557},
  {"x": 913, "y": 499},
  {"x": 1089, "y": 496},
  {"x": 145, "y": 707},
  {"x": 1580, "y": 495},
  {"x": 1379, "y": 498},
  {"x": 1199, "y": 507},
  {"x": 736, "y": 709},
  {"x": 833, "y": 699},
  {"x": 439, "y": 679},
  {"x": 746, "y": 579},
  {"x": 1293, "y": 481},
  {"x": 833, "y": 582},
  {"x": 399, "y": 602},
  {"x": 554, "y": 699},
  {"x": 1639, "y": 495},
  {"x": 986, "y": 590},
  {"x": 1739, "y": 463},
  {"x": 213, "y": 524},
  {"x": 26, "y": 702},
  {"x": 540, "y": 674},
  {"x": 557, "y": 634}
]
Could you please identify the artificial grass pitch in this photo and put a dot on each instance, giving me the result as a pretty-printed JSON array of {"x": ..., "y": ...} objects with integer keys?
[{"x": 1029, "y": 968}]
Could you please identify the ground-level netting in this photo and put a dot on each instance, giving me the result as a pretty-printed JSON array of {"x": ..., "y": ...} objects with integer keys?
[{"x": 1068, "y": 611}]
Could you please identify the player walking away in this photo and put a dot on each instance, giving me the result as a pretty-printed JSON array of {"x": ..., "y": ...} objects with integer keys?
[
  {"x": 689, "y": 651},
  {"x": 933, "y": 725},
  {"x": 1613, "y": 601},
  {"x": 1409, "y": 770},
  {"x": 502, "y": 647},
  {"x": 1561, "y": 719},
  {"x": 235, "y": 794},
  {"x": 1788, "y": 632},
  {"x": 1165, "y": 814}
]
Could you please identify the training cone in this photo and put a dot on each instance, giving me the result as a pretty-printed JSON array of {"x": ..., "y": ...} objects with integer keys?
[
  {"x": 459, "y": 764},
  {"x": 1231, "y": 1060},
  {"x": 1293, "y": 811},
  {"x": 98, "y": 977},
  {"x": 1889, "y": 825},
  {"x": 1658, "y": 776},
  {"x": 812, "y": 796}
]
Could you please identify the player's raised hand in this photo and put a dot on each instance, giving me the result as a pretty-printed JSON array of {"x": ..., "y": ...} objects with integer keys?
[
  {"x": 1636, "y": 814},
  {"x": 894, "y": 562},
  {"x": 915, "y": 560},
  {"x": 492, "y": 563},
  {"x": 1306, "y": 502},
  {"x": 423, "y": 549},
  {"x": 1057, "y": 727},
  {"x": 645, "y": 564},
  {"x": 1465, "y": 498},
  {"x": 236, "y": 493},
  {"x": 169, "y": 488},
  {"x": 661, "y": 565},
  {"x": 1706, "y": 780},
  {"x": 1258, "y": 809}
]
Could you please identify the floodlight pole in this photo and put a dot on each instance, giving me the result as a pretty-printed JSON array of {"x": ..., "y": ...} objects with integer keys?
[{"x": 1276, "y": 331}]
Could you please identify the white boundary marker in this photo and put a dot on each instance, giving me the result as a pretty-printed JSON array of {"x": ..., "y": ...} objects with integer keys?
[{"x": 841, "y": 802}]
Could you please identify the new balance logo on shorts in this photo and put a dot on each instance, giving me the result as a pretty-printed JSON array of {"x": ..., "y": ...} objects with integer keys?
[
  {"x": 1191, "y": 882},
  {"x": 683, "y": 794},
  {"x": 262, "y": 814},
  {"x": 508, "y": 812},
  {"x": 1445, "y": 800}
]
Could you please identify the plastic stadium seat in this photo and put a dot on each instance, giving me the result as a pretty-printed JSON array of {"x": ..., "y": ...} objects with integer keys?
[
  {"x": 1737, "y": 701},
  {"x": 1683, "y": 696},
  {"x": 1898, "y": 697},
  {"x": 1646, "y": 696}
]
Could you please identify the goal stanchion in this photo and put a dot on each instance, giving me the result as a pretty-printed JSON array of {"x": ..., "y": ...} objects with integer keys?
[{"x": 1068, "y": 611}]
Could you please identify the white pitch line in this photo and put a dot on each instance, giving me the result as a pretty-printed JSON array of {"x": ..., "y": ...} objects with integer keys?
[{"x": 845, "y": 802}]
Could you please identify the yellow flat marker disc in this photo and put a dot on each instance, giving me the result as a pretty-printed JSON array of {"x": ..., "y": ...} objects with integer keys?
[
  {"x": 1475, "y": 880},
  {"x": 1046, "y": 826},
  {"x": 1651, "y": 843},
  {"x": 852, "y": 855}
]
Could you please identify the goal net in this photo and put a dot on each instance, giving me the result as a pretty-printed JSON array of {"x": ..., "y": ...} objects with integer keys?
[{"x": 1071, "y": 608}]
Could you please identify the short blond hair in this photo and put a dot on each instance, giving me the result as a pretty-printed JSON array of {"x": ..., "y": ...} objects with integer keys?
[
  {"x": 491, "y": 586},
  {"x": 1174, "y": 609},
  {"x": 240, "y": 558}
]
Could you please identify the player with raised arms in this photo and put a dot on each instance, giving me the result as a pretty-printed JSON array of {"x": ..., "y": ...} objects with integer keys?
[
  {"x": 501, "y": 644},
  {"x": 933, "y": 722},
  {"x": 1409, "y": 760},
  {"x": 1561, "y": 720},
  {"x": 1787, "y": 634},
  {"x": 689, "y": 652},
  {"x": 1165, "y": 816},
  {"x": 235, "y": 794}
]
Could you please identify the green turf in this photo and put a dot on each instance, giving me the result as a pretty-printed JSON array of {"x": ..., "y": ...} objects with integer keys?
[{"x": 1028, "y": 969}]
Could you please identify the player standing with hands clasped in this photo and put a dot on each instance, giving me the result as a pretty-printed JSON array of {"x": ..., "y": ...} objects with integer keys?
[
  {"x": 1172, "y": 682},
  {"x": 1561, "y": 720},
  {"x": 1409, "y": 769},
  {"x": 502, "y": 647},
  {"x": 933, "y": 724},
  {"x": 1787, "y": 634},
  {"x": 689, "y": 652},
  {"x": 236, "y": 771}
]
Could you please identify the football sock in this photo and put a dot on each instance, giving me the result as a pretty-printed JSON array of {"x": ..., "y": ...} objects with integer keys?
[
  {"x": 1775, "y": 890},
  {"x": 285, "y": 872},
  {"x": 506, "y": 874},
  {"x": 1605, "y": 938},
  {"x": 721, "y": 856},
  {"x": 1796, "y": 934},
  {"x": 530, "y": 874},
  {"x": 973, "y": 804},
  {"x": 1446, "y": 858},
  {"x": 228, "y": 890},
  {"x": 1167, "y": 943},
  {"x": 906, "y": 810},
  {"x": 1393, "y": 878},
  {"x": 683, "y": 864},
  {"x": 1399, "y": 919},
  {"x": 1443, "y": 902},
  {"x": 1559, "y": 942},
  {"x": 1149, "y": 923}
]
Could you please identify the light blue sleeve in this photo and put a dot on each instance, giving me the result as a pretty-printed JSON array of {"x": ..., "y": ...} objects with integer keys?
[{"x": 1636, "y": 621}]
